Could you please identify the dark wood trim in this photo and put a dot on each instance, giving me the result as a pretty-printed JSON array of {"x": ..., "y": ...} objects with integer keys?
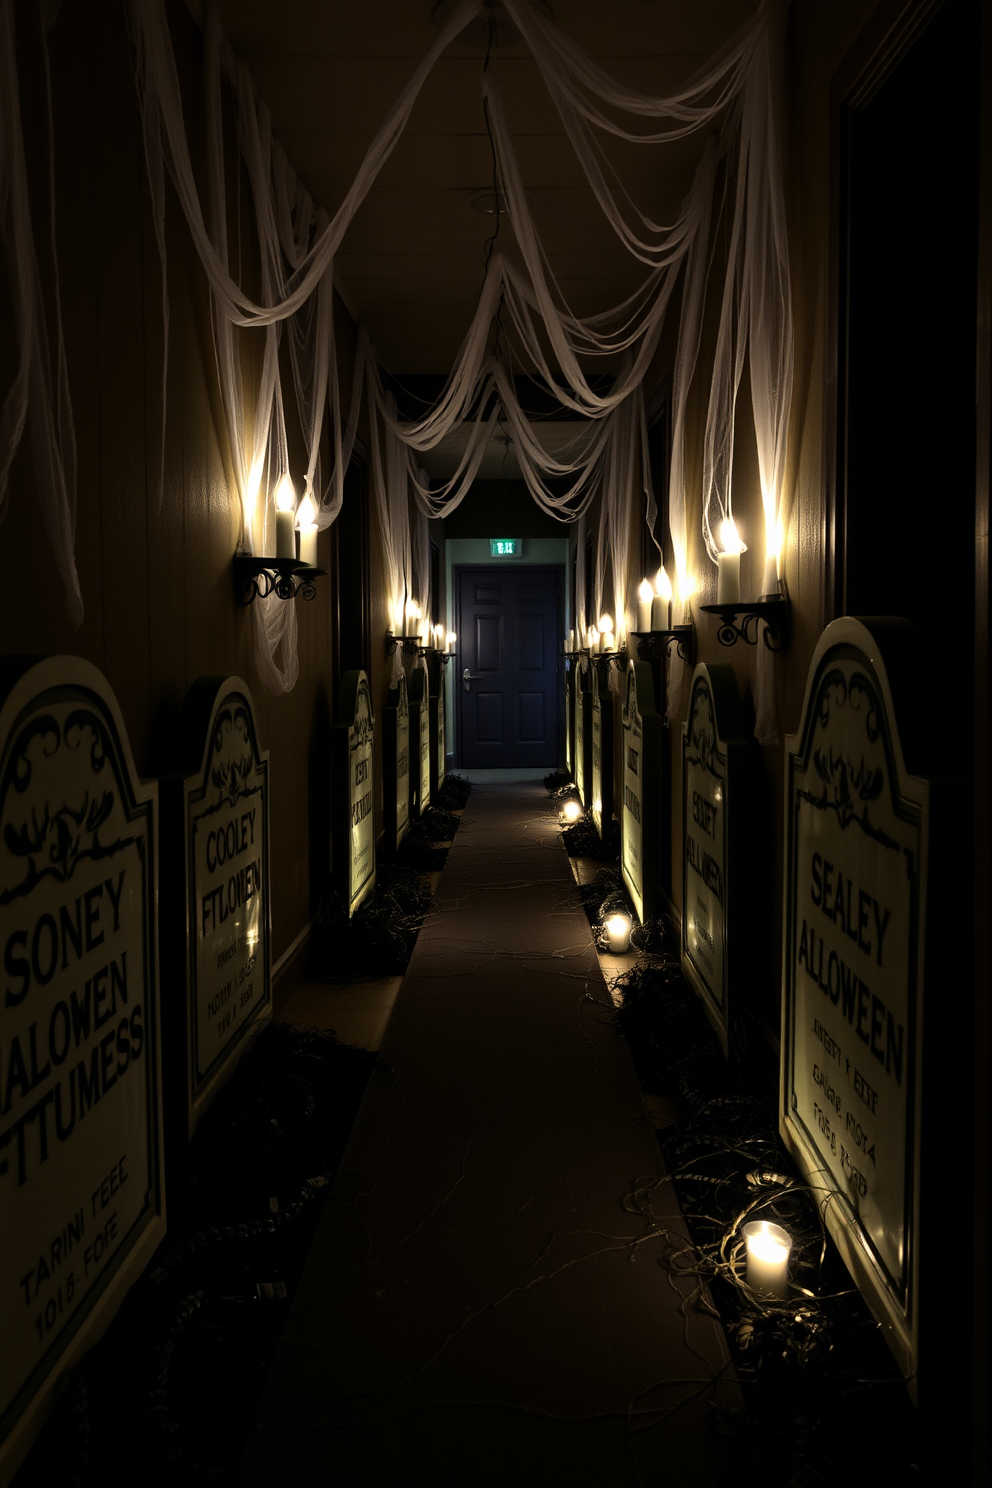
[
  {"x": 886, "y": 38},
  {"x": 352, "y": 574},
  {"x": 981, "y": 1298}
]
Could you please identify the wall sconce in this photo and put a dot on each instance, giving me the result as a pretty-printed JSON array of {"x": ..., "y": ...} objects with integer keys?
[
  {"x": 408, "y": 644},
  {"x": 741, "y": 621},
  {"x": 286, "y": 578},
  {"x": 653, "y": 644}
]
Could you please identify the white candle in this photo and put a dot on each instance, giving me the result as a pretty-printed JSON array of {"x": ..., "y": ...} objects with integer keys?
[
  {"x": 728, "y": 563},
  {"x": 451, "y": 641},
  {"x": 593, "y": 638},
  {"x": 645, "y": 595},
  {"x": 308, "y": 532},
  {"x": 618, "y": 933},
  {"x": 768, "y": 1247},
  {"x": 728, "y": 578},
  {"x": 439, "y": 638},
  {"x": 285, "y": 519},
  {"x": 607, "y": 641},
  {"x": 571, "y": 640},
  {"x": 661, "y": 607},
  {"x": 413, "y": 615}
]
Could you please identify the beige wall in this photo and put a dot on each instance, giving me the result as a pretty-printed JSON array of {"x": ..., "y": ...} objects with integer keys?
[{"x": 156, "y": 575}]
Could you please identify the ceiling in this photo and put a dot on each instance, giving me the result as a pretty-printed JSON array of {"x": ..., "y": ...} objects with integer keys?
[{"x": 412, "y": 262}]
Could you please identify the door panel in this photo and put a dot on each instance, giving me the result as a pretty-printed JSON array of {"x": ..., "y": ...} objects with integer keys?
[
  {"x": 488, "y": 643},
  {"x": 531, "y": 728},
  {"x": 489, "y": 718},
  {"x": 509, "y": 712}
]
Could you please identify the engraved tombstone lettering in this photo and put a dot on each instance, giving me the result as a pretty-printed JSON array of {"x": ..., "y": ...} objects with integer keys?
[{"x": 81, "y": 1200}]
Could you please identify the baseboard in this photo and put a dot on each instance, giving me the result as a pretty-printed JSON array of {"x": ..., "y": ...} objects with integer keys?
[{"x": 289, "y": 969}]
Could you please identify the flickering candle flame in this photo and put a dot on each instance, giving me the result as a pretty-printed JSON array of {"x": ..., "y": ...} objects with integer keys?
[
  {"x": 729, "y": 538},
  {"x": 618, "y": 932},
  {"x": 645, "y": 594},
  {"x": 661, "y": 605},
  {"x": 768, "y": 1247},
  {"x": 305, "y": 515},
  {"x": 413, "y": 618}
]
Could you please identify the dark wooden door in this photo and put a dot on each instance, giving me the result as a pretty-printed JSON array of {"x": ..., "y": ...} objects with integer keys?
[{"x": 509, "y": 643}]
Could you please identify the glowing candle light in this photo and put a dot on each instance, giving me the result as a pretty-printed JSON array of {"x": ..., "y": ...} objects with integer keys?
[
  {"x": 661, "y": 605},
  {"x": 308, "y": 532},
  {"x": 645, "y": 594},
  {"x": 687, "y": 588},
  {"x": 452, "y": 638},
  {"x": 285, "y": 519},
  {"x": 770, "y": 588},
  {"x": 571, "y": 811},
  {"x": 439, "y": 638},
  {"x": 593, "y": 638},
  {"x": 768, "y": 1247},
  {"x": 728, "y": 563},
  {"x": 413, "y": 618},
  {"x": 618, "y": 933}
]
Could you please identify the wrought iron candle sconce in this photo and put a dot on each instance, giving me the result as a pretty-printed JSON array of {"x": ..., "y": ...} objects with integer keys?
[
  {"x": 286, "y": 578},
  {"x": 603, "y": 659},
  {"x": 742, "y": 621},
  {"x": 652, "y": 645},
  {"x": 409, "y": 645}
]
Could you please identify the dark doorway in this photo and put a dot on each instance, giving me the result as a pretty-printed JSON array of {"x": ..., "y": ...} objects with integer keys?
[
  {"x": 509, "y": 704},
  {"x": 908, "y": 286}
]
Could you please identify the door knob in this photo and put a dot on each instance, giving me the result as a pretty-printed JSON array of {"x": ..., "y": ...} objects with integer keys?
[{"x": 468, "y": 677}]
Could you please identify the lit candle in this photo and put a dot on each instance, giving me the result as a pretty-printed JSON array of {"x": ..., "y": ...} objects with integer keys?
[
  {"x": 413, "y": 616},
  {"x": 451, "y": 640},
  {"x": 592, "y": 636},
  {"x": 661, "y": 605},
  {"x": 645, "y": 594},
  {"x": 768, "y": 1247},
  {"x": 605, "y": 628},
  {"x": 618, "y": 933},
  {"x": 770, "y": 588},
  {"x": 308, "y": 533},
  {"x": 687, "y": 588},
  {"x": 285, "y": 519},
  {"x": 728, "y": 563},
  {"x": 571, "y": 640},
  {"x": 439, "y": 638},
  {"x": 607, "y": 641}
]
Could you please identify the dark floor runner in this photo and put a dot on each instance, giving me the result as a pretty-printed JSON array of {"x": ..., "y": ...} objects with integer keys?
[{"x": 478, "y": 1307}]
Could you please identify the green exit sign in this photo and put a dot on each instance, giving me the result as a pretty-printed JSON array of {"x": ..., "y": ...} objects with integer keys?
[{"x": 504, "y": 547}]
